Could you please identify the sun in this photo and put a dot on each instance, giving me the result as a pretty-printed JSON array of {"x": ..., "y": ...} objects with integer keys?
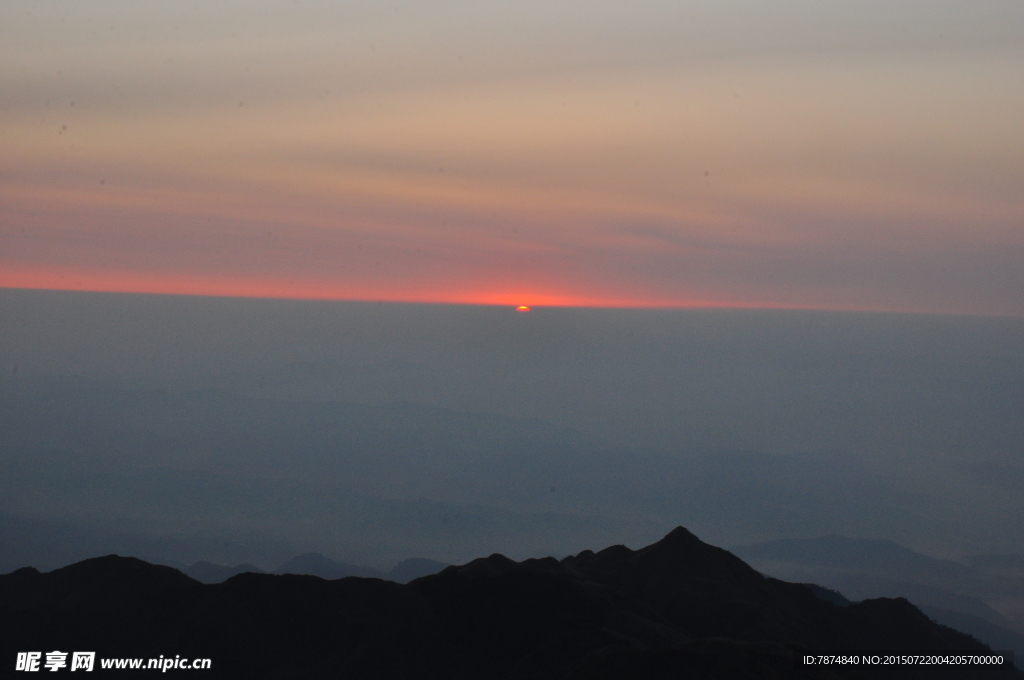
[{"x": 522, "y": 308}]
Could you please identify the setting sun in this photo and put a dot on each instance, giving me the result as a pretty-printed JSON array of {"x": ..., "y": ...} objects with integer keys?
[{"x": 522, "y": 308}]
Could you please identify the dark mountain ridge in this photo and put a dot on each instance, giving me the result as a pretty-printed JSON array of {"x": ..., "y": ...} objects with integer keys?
[{"x": 677, "y": 608}]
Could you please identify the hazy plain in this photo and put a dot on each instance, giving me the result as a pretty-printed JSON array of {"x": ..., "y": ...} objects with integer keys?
[{"x": 239, "y": 430}]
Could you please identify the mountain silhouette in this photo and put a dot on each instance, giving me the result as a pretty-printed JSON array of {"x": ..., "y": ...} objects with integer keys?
[
  {"x": 101, "y": 582},
  {"x": 677, "y": 608}
]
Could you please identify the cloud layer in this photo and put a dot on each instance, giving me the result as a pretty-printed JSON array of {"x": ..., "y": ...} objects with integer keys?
[{"x": 830, "y": 155}]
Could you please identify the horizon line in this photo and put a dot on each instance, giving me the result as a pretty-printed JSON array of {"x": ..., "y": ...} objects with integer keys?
[{"x": 507, "y": 301}]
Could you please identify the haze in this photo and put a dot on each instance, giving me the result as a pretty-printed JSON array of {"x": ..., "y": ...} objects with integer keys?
[{"x": 231, "y": 430}]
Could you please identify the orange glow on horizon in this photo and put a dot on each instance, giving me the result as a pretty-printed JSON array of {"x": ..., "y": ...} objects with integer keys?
[
  {"x": 84, "y": 280},
  {"x": 99, "y": 281}
]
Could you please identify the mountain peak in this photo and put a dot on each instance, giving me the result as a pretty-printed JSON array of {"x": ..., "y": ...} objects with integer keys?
[
  {"x": 679, "y": 561},
  {"x": 680, "y": 535}
]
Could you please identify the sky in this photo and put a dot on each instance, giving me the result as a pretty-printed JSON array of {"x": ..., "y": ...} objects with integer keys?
[{"x": 858, "y": 155}]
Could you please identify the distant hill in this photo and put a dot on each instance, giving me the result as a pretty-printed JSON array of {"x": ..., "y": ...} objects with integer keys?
[
  {"x": 873, "y": 556},
  {"x": 981, "y": 596},
  {"x": 678, "y": 608},
  {"x": 315, "y": 564},
  {"x": 208, "y": 572},
  {"x": 1008, "y": 566},
  {"x": 414, "y": 568}
]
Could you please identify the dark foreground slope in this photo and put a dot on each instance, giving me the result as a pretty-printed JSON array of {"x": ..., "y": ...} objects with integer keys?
[{"x": 678, "y": 608}]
